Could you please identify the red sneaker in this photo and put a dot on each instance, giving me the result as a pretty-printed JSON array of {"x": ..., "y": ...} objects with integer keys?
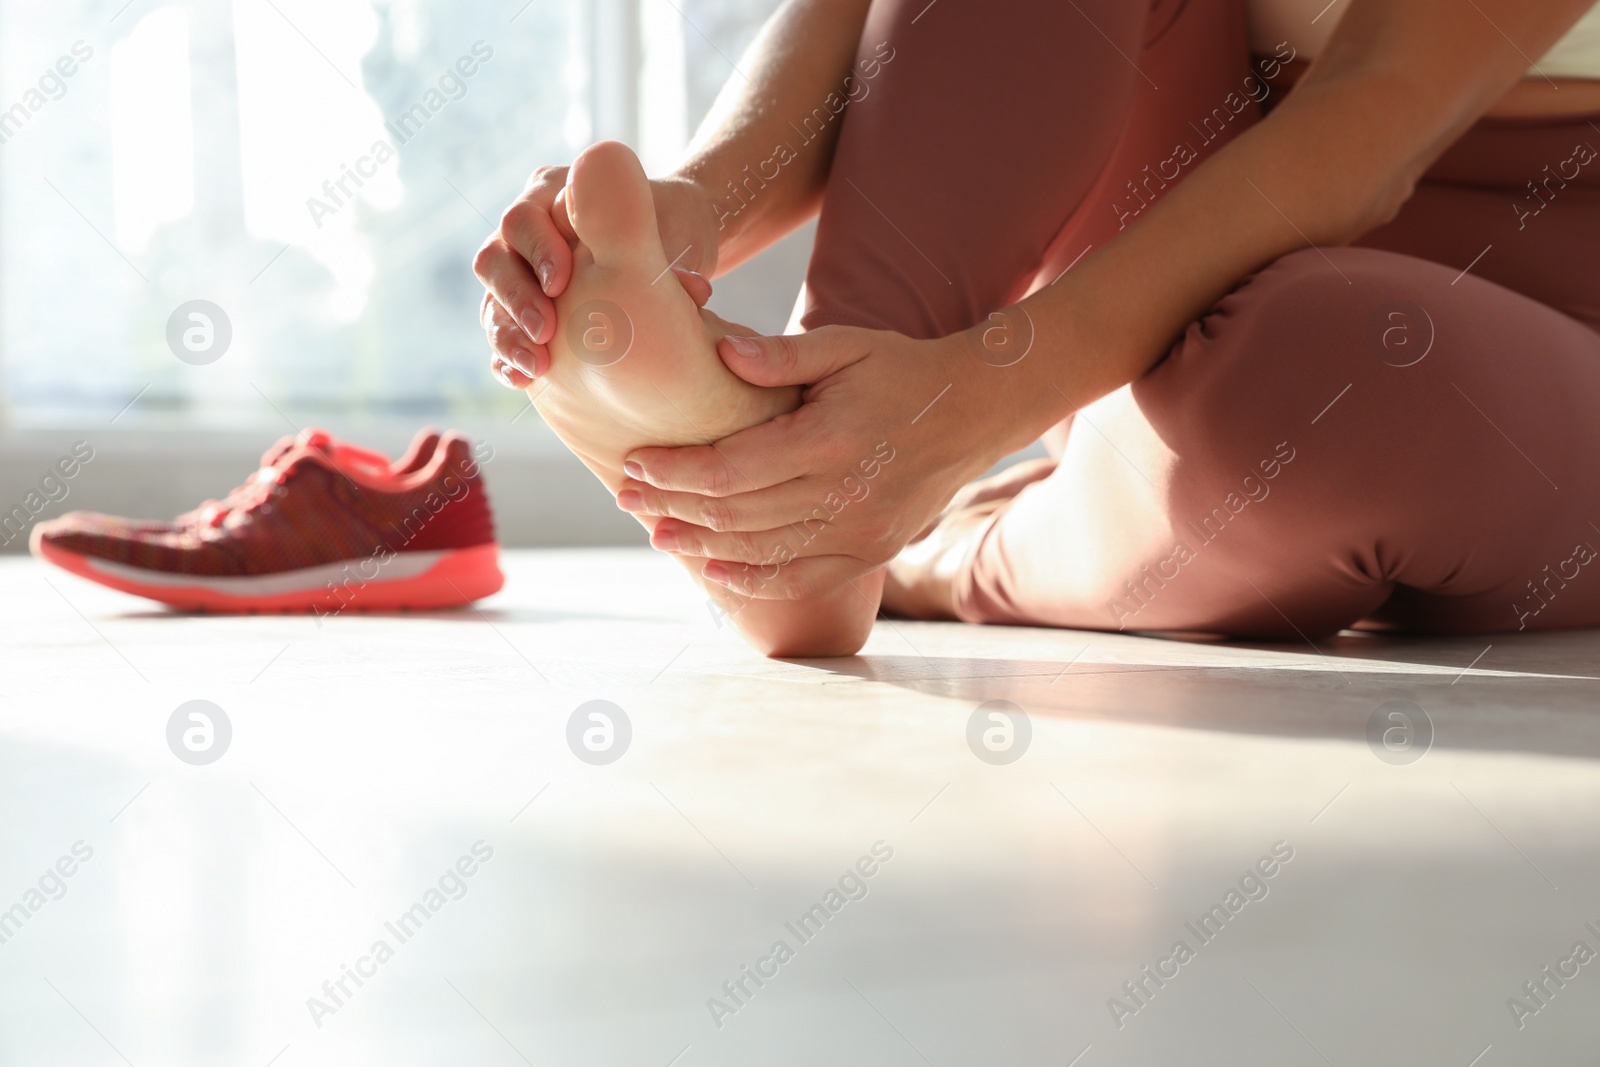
[{"x": 323, "y": 526}]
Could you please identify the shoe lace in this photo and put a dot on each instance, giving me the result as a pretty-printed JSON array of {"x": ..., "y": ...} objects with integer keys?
[
  {"x": 243, "y": 499},
  {"x": 267, "y": 482}
]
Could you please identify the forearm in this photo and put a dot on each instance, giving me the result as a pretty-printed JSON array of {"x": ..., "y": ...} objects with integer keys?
[
  {"x": 1324, "y": 168},
  {"x": 798, "y": 64}
]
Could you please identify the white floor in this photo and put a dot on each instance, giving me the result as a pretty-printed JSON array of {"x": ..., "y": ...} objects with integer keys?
[{"x": 370, "y": 754}]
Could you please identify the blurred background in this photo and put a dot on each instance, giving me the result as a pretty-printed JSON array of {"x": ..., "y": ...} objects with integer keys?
[{"x": 196, "y": 152}]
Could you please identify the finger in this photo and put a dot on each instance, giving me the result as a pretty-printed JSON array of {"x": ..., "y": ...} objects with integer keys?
[
  {"x": 794, "y": 359},
  {"x": 506, "y": 274},
  {"x": 800, "y": 580},
  {"x": 760, "y": 457},
  {"x": 509, "y": 341},
  {"x": 508, "y": 375},
  {"x": 764, "y": 547},
  {"x": 695, "y": 284},
  {"x": 533, "y": 227},
  {"x": 812, "y": 535},
  {"x": 792, "y": 501}
]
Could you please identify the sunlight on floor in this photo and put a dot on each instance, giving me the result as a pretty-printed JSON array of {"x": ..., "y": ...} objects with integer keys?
[{"x": 1012, "y": 899}]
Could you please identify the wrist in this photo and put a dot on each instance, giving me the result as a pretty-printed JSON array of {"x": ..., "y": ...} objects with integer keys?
[
  {"x": 1008, "y": 365},
  {"x": 693, "y": 210},
  {"x": 747, "y": 211},
  {"x": 716, "y": 226}
]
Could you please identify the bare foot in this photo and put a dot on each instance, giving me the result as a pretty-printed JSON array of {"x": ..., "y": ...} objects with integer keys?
[
  {"x": 920, "y": 582},
  {"x": 1003, "y": 486},
  {"x": 634, "y": 363}
]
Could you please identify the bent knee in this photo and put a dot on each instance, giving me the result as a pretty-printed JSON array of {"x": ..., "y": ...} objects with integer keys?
[
  {"x": 1282, "y": 347},
  {"x": 1343, "y": 309}
]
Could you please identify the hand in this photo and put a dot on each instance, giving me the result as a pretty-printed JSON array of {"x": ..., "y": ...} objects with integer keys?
[
  {"x": 790, "y": 509},
  {"x": 527, "y": 262}
]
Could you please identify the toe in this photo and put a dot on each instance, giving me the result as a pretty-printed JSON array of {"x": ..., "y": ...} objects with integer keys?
[{"x": 612, "y": 210}]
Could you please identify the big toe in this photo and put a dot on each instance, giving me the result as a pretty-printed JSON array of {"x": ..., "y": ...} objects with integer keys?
[{"x": 612, "y": 210}]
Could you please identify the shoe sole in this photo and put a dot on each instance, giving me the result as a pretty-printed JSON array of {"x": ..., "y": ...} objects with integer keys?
[{"x": 441, "y": 579}]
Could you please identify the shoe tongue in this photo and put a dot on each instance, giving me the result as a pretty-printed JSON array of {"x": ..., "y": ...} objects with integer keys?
[{"x": 349, "y": 458}]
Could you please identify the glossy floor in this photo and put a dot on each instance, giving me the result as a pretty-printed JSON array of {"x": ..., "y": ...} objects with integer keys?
[{"x": 1366, "y": 850}]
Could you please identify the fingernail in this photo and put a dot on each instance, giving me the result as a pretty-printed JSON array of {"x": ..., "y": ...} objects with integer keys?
[
  {"x": 633, "y": 470},
  {"x": 715, "y": 572},
  {"x": 744, "y": 346},
  {"x": 523, "y": 358},
  {"x": 503, "y": 374},
  {"x": 630, "y": 500},
  {"x": 532, "y": 322},
  {"x": 546, "y": 271},
  {"x": 665, "y": 539}
]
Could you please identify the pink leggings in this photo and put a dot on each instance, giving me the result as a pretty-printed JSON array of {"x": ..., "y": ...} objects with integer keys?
[{"x": 1355, "y": 435}]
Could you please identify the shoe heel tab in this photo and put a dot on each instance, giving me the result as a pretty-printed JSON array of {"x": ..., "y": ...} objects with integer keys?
[{"x": 462, "y": 457}]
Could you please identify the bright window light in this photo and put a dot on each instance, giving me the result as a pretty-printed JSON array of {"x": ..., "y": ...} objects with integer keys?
[{"x": 152, "y": 128}]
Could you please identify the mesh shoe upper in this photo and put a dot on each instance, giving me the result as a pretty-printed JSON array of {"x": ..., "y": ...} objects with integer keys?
[{"x": 314, "y": 501}]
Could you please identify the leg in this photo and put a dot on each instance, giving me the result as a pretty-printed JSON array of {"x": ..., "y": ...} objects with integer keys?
[
  {"x": 974, "y": 145},
  {"x": 1003, "y": 140},
  {"x": 1334, "y": 438},
  {"x": 1000, "y": 143}
]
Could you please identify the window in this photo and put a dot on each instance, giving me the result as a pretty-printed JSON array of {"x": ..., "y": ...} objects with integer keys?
[{"x": 318, "y": 172}]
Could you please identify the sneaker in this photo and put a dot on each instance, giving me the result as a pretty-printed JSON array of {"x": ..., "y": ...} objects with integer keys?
[{"x": 323, "y": 526}]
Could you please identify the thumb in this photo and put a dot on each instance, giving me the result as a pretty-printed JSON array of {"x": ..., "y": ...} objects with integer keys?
[{"x": 793, "y": 359}]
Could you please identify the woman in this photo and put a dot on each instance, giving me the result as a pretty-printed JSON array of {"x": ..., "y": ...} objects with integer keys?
[{"x": 1028, "y": 206}]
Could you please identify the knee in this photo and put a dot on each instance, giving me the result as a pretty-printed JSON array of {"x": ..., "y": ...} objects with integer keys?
[
  {"x": 1345, "y": 308},
  {"x": 1286, "y": 341}
]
